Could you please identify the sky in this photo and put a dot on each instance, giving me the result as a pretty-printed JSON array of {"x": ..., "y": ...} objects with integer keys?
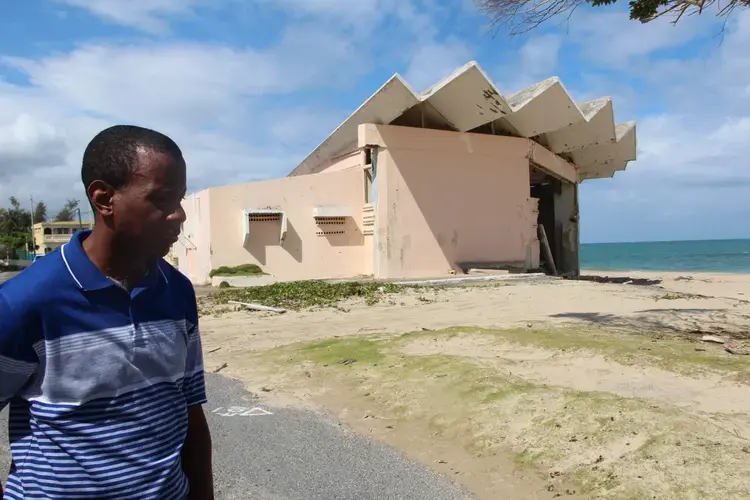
[{"x": 248, "y": 88}]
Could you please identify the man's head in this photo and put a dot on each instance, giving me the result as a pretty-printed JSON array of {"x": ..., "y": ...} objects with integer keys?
[{"x": 135, "y": 180}]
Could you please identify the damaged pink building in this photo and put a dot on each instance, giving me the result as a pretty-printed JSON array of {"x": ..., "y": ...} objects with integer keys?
[{"x": 419, "y": 185}]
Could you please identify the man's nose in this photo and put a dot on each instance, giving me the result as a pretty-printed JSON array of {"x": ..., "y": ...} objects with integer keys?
[{"x": 178, "y": 215}]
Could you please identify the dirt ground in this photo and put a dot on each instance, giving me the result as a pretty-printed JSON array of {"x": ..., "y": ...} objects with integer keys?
[{"x": 528, "y": 390}]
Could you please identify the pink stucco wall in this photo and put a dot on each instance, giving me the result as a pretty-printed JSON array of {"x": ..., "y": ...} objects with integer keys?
[
  {"x": 304, "y": 253},
  {"x": 441, "y": 199},
  {"x": 193, "y": 249},
  {"x": 447, "y": 198},
  {"x": 345, "y": 162}
]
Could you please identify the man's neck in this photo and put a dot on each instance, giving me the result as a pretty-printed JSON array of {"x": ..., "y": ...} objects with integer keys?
[{"x": 114, "y": 260}]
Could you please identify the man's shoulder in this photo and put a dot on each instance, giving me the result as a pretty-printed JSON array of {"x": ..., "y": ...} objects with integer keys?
[{"x": 44, "y": 279}]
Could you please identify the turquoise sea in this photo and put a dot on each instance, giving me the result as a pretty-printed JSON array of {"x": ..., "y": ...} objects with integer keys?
[{"x": 721, "y": 256}]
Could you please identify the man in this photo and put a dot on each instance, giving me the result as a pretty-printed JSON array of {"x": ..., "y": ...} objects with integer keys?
[{"x": 100, "y": 356}]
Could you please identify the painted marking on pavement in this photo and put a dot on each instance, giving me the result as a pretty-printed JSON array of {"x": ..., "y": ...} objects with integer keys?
[{"x": 240, "y": 411}]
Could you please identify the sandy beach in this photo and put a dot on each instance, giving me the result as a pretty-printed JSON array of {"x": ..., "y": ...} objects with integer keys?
[
  {"x": 680, "y": 303},
  {"x": 535, "y": 389}
]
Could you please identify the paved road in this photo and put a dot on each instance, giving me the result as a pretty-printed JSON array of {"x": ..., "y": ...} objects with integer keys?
[
  {"x": 299, "y": 455},
  {"x": 6, "y": 276}
]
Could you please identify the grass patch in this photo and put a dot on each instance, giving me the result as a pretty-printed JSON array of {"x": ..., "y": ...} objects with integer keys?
[
  {"x": 306, "y": 294},
  {"x": 334, "y": 351},
  {"x": 243, "y": 270},
  {"x": 611, "y": 447},
  {"x": 670, "y": 353}
]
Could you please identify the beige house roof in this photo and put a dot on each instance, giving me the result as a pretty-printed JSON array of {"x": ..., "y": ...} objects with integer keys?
[
  {"x": 468, "y": 101},
  {"x": 62, "y": 223}
]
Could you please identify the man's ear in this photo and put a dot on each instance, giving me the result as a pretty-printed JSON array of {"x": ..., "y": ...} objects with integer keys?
[{"x": 101, "y": 194}]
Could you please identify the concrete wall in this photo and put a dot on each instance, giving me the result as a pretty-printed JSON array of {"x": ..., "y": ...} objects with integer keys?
[
  {"x": 446, "y": 198},
  {"x": 345, "y": 162},
  {"x": 549, "y": 162},
  {"x": 566, "y": 225},
  {"x": 440, "y": 199},
  {"x": 192, "y": 252},
  {"x": 311, "y": 248}
]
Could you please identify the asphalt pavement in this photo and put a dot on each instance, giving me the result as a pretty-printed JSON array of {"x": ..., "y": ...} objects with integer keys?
[
  {"x": 267, "y": 453},
  {"x": 5, "y": 276}
]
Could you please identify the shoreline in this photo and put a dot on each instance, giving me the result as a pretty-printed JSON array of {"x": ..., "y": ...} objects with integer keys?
[
  {"x": 733, "y": 286},
  {"x": 671, "y": 273}
]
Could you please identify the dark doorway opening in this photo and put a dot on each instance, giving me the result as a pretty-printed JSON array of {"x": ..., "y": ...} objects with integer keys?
[
  {"x": 543, "y": 188},
  {"x": 558, "y": 215}
]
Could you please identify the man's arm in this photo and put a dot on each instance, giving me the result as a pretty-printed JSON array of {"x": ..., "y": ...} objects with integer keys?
[
  {"x": 18, "y": 359},
  {"x": 196, "y": 451},
  {"x": 196, "y": 456}
]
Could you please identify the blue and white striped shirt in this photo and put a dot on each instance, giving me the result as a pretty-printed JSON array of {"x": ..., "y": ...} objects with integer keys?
[{"x": 98, "y": 380}]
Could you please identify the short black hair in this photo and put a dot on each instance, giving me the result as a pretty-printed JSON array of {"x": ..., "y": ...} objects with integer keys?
[{"x": 112, "y": 156}]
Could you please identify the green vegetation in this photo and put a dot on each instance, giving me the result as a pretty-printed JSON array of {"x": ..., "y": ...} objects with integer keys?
[
  {"x": 15, "y": 228},
  {"x": 603, "y": 445},
  {"x": 332, "y": 351},
  {"x": 243, "y": 270},
  {"x": 679, "y": 296},
  {"x": 68, "y": 212},
  {"x": 675, "y": 354},
  {"x": 15, "y": 224},
  {"x": 526, "y": 15},
  {"x": 298, "y": 295}
]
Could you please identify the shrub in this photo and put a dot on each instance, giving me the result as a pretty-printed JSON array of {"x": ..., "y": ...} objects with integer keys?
[{"x": 243, "y": 270}]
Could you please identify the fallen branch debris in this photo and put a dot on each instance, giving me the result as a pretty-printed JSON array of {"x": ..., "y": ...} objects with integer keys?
[
  {"x": 258, "y": 307},
  {"x": 714, "y": 339}
]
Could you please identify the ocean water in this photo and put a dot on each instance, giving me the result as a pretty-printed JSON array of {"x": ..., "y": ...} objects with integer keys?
[{"x": 722, "y": 256}]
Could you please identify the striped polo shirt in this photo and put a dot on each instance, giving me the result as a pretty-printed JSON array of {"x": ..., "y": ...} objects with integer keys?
[{"x": 99, "y": 380}]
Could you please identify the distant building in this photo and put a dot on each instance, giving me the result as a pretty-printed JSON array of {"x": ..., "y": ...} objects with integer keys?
[
  {"x": 419, "y": 185},
  {"x": 48, "y": 236}
]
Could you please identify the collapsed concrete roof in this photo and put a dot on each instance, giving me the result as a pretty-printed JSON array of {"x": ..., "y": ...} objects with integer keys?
[{"x": 467, "y": 101}]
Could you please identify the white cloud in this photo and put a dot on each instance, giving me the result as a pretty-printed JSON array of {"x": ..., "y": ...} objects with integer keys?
[
  {"x": 413, "y": 37},
  {"x": 433, "y": 61},
  {"x": 611, "y": 38},
  {"x": 27, "y": 142},
  {"x": 350, "y": 11},
  {"x": 536, "y": 60},
  {"x": 184, "y": 83},
  {"x": 304, "y": 126},
  {"x": 365, "y": 15},
  {"x": 207, "y": 97},
  {"x": 218, "y": 101},
  {"x": 539, "y": 55},
  {"x": 237, "y": 114},
  {"x": 691, "y": 178},
  {"x": 147, "y": 15}
]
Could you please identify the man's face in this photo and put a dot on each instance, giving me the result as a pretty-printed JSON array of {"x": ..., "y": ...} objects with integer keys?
[{"x": 147, "y": 214}]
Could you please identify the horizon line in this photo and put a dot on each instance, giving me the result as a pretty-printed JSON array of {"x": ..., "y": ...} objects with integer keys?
[{"x": 661, "y": 241}]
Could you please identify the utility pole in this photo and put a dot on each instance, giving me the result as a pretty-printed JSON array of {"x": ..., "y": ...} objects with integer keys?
[
  {"x": 80, "y": 220},
  {"x": 31, "y": 213}
]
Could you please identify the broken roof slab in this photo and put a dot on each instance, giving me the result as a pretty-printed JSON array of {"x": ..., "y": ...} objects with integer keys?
[
  {"x": 388, "y": 103},
  {"x": 597, "y": 128},
  {"x": 614, "y": 157},
  {"x": 468, "y": 100},
  {"x": 543, "y": 107}
]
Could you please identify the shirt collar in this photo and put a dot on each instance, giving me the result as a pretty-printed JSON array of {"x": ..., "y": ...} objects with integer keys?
[{"x": 88, "y": 277}]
